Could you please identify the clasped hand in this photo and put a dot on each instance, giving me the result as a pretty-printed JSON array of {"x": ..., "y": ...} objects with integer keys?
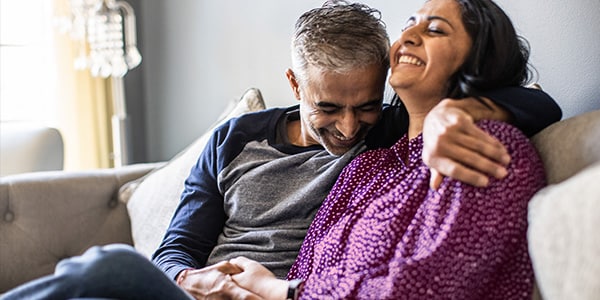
[{"x": 239, "y": 278}]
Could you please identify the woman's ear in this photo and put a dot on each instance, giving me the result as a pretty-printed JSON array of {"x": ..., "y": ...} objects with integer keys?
[{"x": 293, "y": 83}]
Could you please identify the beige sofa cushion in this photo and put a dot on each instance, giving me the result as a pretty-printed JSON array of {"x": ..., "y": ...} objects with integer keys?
[
  {"x": 569, "y": 146},
  {"x": 563, "y": 237},
  {"x": 152, "y": 200}
]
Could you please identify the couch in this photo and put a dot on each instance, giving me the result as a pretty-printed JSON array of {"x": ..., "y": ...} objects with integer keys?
[
  {"x": 29, "y": 147},
  {"x": 48, "y": 216}
]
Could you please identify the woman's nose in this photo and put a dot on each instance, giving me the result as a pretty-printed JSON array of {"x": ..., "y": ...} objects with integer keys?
[{"x": 410, "y": 36}]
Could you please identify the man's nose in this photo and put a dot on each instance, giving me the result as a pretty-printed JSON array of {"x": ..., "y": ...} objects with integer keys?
[{"x": 348, "y": 125}]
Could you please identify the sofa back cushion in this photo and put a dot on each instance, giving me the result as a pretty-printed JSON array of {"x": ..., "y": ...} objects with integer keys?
[
  {"x": 29, "y": 147},
  {"x": 152, "y": 199},
  {"x": 568, "y": 146}
]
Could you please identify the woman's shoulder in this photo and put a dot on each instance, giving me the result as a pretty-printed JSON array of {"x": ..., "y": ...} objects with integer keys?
[
  {"x": 504, "y": 132},
  {"x": 521, "y": 150}
]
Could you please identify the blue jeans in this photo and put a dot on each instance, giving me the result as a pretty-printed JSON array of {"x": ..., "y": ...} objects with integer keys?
[{"x": 113, "y": 272}]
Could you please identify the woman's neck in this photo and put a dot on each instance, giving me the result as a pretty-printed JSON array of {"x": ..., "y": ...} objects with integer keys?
[
  {"x": 418, "y": 108},
  {"x": 415, "y": 124}
]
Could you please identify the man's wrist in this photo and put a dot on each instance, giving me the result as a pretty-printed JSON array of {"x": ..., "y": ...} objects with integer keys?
[
  {"x": 480, "y": 109},
  {"x": 182, "y": 275}
]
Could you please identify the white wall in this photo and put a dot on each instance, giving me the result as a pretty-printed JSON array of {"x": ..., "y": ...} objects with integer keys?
[{"x": 198, "y": 55}]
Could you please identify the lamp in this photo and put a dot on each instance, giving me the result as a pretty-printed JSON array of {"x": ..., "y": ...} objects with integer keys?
[{"x": 108, "y": 27}]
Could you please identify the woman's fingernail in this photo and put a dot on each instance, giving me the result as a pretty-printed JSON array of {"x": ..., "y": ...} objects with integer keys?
[{"x": 501, "y": 173}]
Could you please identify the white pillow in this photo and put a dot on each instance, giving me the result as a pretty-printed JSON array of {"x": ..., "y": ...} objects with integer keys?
[
  {"x": 563, "y": 237},
  {"x": 152, "y": 200}
]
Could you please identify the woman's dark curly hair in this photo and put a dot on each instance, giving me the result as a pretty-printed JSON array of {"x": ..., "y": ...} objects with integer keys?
[{"x": 498, "y": 58}]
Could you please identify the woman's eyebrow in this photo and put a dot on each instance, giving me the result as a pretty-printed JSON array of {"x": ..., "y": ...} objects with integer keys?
[{"x": 431, "y": 18}]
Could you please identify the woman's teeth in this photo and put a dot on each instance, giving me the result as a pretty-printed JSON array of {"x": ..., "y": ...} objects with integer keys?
[{"x": 405, "y": 59}]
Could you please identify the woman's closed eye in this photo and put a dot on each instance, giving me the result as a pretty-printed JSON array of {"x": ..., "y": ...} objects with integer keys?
[{"x": 435, "y": 30}]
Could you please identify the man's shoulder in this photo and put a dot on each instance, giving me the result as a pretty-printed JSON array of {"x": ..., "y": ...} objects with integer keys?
[
  {"x": 236, "y": 132},
  {"x": 254, "y": 122},
  {"x": 392, "y": 125},
  {"x": 261, "y": 114}
]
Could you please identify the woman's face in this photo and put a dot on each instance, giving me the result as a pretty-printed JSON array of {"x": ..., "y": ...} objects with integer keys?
[{"x": 432, "y": 47}]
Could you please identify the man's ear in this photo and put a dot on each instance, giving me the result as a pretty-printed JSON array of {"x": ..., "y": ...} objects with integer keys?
[{"x": 293, "y": 83}]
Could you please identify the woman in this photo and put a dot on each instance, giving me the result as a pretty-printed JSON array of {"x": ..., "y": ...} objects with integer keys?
[{"x": 382, "y": 233}]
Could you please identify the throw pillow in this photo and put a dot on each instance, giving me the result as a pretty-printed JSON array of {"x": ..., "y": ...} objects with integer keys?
[
  {"x": 152, "y": 200},
  {"x": 563, "y": 240}
]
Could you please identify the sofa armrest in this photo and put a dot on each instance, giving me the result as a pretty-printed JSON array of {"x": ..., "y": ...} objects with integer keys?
[{"x": 48, "y": 216}]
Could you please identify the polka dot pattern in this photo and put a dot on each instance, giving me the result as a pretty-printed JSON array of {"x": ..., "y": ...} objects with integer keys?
[{"x": 382, "y": 233}]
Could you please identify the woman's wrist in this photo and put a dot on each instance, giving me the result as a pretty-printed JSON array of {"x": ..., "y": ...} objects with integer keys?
[
  {"x": 275, "y": 289},
  {"x": 295, "y": 287}
]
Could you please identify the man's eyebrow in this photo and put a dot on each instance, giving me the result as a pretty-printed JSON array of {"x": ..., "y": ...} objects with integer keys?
[
  {"x": 370, "y": 103},
  {"x": 326, "y": 104}
]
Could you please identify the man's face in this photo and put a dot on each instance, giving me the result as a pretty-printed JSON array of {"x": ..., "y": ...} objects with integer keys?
[{"x": 337, "y": 110}]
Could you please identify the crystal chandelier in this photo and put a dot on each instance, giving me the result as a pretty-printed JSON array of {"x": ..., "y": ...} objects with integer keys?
[{"x": 108, "y": 28}]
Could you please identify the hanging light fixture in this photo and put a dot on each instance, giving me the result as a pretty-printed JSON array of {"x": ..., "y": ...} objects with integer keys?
[
  {"x": 108, "y": 48},
  {"x": 108, "y": 27}
]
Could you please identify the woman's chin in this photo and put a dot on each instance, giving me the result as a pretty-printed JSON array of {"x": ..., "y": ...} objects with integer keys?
[{"x": 399, "y": 82}]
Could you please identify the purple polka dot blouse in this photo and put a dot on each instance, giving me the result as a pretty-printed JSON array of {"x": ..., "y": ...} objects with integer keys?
[{"x": 382, "y": 233}]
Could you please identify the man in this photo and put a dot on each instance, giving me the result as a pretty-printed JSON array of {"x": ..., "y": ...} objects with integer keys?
[{"x": 262, "y": 177}]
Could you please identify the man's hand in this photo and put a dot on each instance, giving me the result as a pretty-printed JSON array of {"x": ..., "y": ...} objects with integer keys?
[
  {"x": 454, "y": 146},
  {"x": 259, "y": 279},
  {"x": 214, "y": 282}
]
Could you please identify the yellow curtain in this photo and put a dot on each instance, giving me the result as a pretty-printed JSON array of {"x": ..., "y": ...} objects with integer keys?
[{"x": 84, "y": 105}]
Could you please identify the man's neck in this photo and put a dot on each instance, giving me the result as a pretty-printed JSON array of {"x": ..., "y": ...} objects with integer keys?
[{"x": 294, "y": 133}]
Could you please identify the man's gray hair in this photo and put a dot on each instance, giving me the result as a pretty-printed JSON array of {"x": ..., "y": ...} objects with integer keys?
[{"x": 339, "y": 37}]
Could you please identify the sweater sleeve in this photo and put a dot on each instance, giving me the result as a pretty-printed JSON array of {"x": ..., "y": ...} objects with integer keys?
[
  {"x": 532, "y": 109},
  {"x": 198, "y": 219}
]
